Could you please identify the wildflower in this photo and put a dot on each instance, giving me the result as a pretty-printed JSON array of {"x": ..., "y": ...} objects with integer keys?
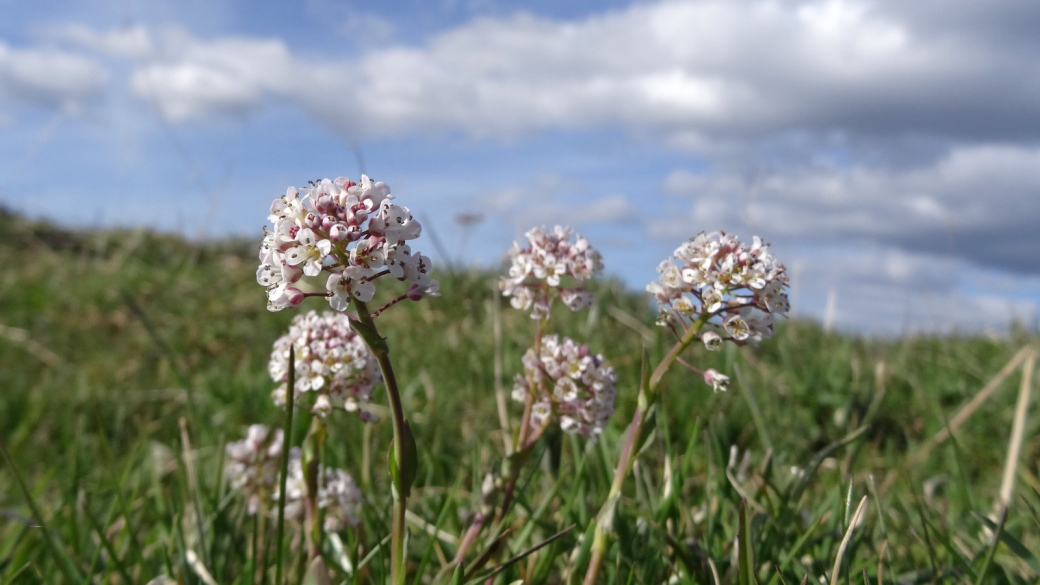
[
  {"x": 717, "y": 381},
  {"x": 331, "y": 360},
  {"x": 712, "y": 341},
  {"x": 341, "y": 500},
  {"x": 252, "y": 464},
  {"x": 569, "y": 383},
  {"x": 353, "y": 232},
  {"x": 541, "y": 267},
  {"x": 338, "y": 495},
  {"x": 732, "y": 288}
]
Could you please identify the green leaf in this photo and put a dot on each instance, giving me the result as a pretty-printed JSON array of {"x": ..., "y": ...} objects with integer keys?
[
  {"x": 993, "y": 549},
  {"x": 372, "y": 338},
  {"x": 403, "y": 476},
  {"x": 745, "y": 556}
]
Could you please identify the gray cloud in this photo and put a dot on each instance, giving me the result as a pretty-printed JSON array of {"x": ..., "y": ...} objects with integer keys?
[{"x": 979, "y": 203}]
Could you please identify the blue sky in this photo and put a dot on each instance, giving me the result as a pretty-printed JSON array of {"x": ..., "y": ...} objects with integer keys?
[{"x": 889, "y": 152}]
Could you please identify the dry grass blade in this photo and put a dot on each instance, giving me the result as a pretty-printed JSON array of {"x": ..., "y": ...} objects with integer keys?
[
  {"x": 418, "y": 521},
  {"x": 714, "y": 572},
  {"x": 1007, "y": 485},
  {"x": 836, "y": 571},
  {"x": 33, "y": 347},
  {"x": 632, "y": 323},
  {"x": 197, "y": 565},
  {"x": 962, "y": 415}
]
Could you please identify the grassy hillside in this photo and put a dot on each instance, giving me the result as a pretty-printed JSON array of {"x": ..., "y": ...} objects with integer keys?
[{"x": 109, "y": 339}]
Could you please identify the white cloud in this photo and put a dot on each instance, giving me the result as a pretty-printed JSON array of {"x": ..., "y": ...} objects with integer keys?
[
  {"x": 48, "y": 77},
  {"x": 545, "y": 202},
  {"x": 685, "y": 70},
  {"x": 135, "y": 42}
]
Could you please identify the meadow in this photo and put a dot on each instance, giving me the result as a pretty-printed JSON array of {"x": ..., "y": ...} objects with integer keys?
[{"x": 129, "y": 359}]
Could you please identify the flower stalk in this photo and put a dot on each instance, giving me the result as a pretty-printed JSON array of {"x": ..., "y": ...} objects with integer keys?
[
  {"x": 648, "y": 394},
  {"x": 287, "y": 433},
  {"x": 402, "y": 456}
]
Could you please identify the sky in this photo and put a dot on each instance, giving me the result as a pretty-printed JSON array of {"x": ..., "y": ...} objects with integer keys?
[{"x": 888, "y": 151}]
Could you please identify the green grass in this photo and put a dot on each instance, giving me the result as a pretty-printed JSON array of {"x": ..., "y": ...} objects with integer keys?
[{"x": 110, "y": 338}]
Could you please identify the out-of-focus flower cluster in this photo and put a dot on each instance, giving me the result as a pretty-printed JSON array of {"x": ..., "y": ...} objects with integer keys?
[
  {"x": 567, "y": 382},
  {"x": 338, "y": 496},
  {"x": 331, "y": 361},
  {"x": 539, "y": 269},
  {"x": 353, "y": 232},
  {"x": 252, "y": 464},
  {"x": 252, "y": 467},
  {"x": 735, "y": 288}
]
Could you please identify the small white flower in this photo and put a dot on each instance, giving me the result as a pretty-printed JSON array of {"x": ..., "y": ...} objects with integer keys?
[
  {"x": 712, "y": 341},
  {"x": 717, "y": 381}
]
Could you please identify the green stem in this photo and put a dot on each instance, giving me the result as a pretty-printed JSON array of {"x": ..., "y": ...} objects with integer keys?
[
  {"x": 286, "y": 441},
  {"x": 402, "y": 439},
  {"x": 647, "y": 398},
  {"x": 312, "y": 448}
]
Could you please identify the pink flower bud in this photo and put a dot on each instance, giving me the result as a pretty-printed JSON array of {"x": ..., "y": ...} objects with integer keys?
[
  {"x": 294, "y": 296},
  {"x": 716, "y": 380},
  {"x": 338, "y": 232}
]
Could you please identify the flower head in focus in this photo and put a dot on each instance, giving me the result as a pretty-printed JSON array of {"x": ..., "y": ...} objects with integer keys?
[
  {"x": 352, "y": 232},
  {"x": 735, "y": 289},
  {"x": 253, "y": 463},
  {"x": 332, "y": 361},
  {"x": 568, "y": 383},
  {"x": 542, "y": 267}
]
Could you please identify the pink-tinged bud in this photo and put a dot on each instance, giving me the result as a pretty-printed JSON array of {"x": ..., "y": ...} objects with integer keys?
[
  {"x": 716, "y": 380},
  {"x": 416, "y": 292},
  {"x": 312, "y": 221},
  {"x": 338, "y": 232},
  {"x": 327, "y": 222},
  {"x": 294, "y": 296},
  {"x": 323, "y": 204}
]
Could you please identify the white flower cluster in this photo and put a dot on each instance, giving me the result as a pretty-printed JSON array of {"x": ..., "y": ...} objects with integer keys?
[
  {"x": 539, "y": 268},
  {"x": 338, "y": 496},
  {"x": 735, "y": 288},
  {"x": 331, "y": 360},
  {"x": 252, "y": 464},
  {"x": 569, "y": 382},
  {"x": 351, "y": 231}
]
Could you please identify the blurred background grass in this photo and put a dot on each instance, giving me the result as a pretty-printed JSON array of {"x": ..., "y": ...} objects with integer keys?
[{"x": 109, "y": 337}]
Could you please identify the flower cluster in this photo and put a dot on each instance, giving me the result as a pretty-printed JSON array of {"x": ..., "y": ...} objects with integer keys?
[
  {"x": 331, "y": 360},
  {"x": 733, "y": 288},
  {"x": 567, "y": 381},
  {"x": 339, "y": 496},
  {"x": 538, "y": 269},
  {"x": 353, "y": 232},
  {"x": 252, "y": 464}
]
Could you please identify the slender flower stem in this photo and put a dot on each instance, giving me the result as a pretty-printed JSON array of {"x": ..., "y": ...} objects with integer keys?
[
  {"x": 647, "y": 398},
  {"x": 510, "y": 472},
  {"x": 312, "y": 468},
  {"x": 400, "y": 492},
  {"x": 286, "y": 441}
]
